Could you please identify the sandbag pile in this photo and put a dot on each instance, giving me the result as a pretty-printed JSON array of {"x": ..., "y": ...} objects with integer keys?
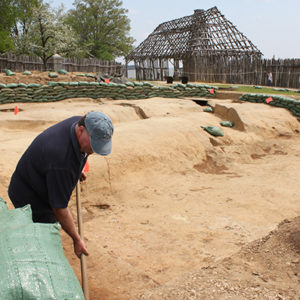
[
  {"x": 274, "y": 100},
  {"x": 196, "y": 90},
  {"x": 56, "y": 91},
  {"x": 32, "y": 261}
]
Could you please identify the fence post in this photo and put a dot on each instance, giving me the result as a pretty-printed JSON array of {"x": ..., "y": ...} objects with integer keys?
[{"x": 55, "y": 62}]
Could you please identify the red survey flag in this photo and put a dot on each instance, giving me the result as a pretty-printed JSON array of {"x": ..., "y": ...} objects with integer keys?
[
  {"x": 16, "y": 110},
  {"x": 270, "y": 99},
  {"x": 212, "y": 91},
  {"x": 86, "y": 167},
  {"x": 107, "y": 80}
]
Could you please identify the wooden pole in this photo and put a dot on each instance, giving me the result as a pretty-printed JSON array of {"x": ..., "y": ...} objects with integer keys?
[{"x": 83, "y": 265}]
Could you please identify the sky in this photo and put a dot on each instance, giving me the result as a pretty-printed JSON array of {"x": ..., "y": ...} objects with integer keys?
[{"x": 271, "y": 25}]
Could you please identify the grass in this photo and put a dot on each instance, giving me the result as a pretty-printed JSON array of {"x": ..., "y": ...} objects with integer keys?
[
  {"x": 246, "y": 88},
  {"x": 263, "y": 90}
]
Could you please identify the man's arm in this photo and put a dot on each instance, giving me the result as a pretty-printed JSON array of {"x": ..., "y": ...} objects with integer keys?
[{"x": 64, "y": 217}]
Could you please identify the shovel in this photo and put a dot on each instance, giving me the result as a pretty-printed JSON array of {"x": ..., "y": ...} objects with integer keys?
[{"x": 83, "y": 265}]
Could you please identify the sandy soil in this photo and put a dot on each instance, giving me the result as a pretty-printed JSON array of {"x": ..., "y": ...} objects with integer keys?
[
  {"x": 43, "y": 77},
  {"x": 175, "y": 213}
]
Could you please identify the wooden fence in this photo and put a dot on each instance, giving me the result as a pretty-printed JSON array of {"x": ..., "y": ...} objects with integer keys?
[
  {"x": 253, "y": 71},
  {"x": 233, "y": 70},
  {"x": 244, "y": 70},
  {"x": 23, "y": 62}
]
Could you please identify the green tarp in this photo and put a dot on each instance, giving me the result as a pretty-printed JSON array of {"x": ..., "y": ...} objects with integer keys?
[{"x": 32, "y": 261}]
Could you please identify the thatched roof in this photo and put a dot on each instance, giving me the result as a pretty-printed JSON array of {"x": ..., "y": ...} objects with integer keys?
[{"x": 204, "y": 33}]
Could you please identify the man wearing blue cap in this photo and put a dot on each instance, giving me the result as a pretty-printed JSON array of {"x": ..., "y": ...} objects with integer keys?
[{"x": 50, "y": 168}]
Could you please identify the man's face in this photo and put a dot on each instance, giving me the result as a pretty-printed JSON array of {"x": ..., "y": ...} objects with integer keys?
[{"x": 84, "y": 141}]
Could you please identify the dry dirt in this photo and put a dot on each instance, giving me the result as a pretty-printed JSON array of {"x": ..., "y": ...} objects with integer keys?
[
  {"x": 43, "y": 77},
  {"x": 173, "y": 212}
]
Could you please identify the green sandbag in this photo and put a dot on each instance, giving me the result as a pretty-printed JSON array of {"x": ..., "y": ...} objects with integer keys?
[
  {"x": 53, "y": 74},
  {"x": 227, "y": 124},
  {"x": 12, "y": 85},
  {"x": 24, "y": 85},
  {"x": 34, "y": 85},
  {"x": 94, "y": 83},
  {"x": 13, "y": 218},
  {"x": 3, "y": 207},
  {"x": 89, "y": 75},
  {"x": 62, "y": 71},
  {"x": 83, "y": 83},
  {"x": 26, "y": 72},
  {"x": 148, "y": 84},
  {"x": 9, "y": 72},
  {"x": 208, "y": 109},
  {"x": 32, "y": 261},
  {"x": 214, "y": 130},
  {"x": 63, "y": 83}
]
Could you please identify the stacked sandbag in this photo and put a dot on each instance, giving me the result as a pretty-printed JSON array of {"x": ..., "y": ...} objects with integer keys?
[
  {"x": 32, "y": 261},
  {"x": 274, "y": 100},
  {"x": 196, "y": 90},
  {"x": 55, "y": 91}
]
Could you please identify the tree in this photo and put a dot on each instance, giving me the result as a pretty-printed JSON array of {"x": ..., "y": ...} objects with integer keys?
[
  {"x": 25, "y": 10},
  {"x": 49, "y": 34},
  {"x": 7, "y": 18},
  {"x": 15, "y": 19},
  {"x": 103, "y": 27}
]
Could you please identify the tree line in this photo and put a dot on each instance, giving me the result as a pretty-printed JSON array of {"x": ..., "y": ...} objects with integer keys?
[{"x": 93, "y": 28}]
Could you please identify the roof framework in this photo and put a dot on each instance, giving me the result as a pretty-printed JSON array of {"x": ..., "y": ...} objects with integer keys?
[{"x": 205, "y": 33}]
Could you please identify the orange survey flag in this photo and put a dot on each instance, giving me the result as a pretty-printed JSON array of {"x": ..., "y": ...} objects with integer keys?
[
  {"x": 86, "y": 167},
  {"x": 270, "y": 99},
  {"x": 16, "y": 110}
]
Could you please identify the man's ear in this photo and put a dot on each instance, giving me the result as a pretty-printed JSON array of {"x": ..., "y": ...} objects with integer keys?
[{"x": 81, "y": 129}]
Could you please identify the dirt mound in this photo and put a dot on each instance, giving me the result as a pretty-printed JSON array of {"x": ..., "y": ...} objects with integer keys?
[
  {"x": 268, "y": 268},
  {"x": 43, "y": 77},
  {"x": 172, "y": 199}
]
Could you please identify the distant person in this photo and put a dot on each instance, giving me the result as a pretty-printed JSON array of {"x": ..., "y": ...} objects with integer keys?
[
  {"x": 270, "y": 79},
  {"x": 50, "y": 168}
]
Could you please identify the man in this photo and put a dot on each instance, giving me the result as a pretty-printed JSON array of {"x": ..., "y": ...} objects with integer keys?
[
  {"x": 50, "y": 168},
  {"x": 270, "y": 79}
]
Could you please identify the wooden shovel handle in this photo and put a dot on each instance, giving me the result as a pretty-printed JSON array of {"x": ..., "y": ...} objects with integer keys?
[{"x": 83, "y": 265}]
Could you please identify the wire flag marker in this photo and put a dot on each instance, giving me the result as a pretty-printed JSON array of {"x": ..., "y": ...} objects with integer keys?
[
  {"x": 86, "y": 167},
  {"x": 270, "y": 99},
  {"x": 16, "y": 110}
]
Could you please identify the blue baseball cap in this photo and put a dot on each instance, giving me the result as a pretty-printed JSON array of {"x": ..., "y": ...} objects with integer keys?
[{"x": 100, "y": 128}]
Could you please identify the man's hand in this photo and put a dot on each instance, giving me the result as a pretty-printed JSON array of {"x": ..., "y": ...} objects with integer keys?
[
  {"x": 80, "y": 248},
  {"x": 64, "y": 217},
  {"x": 82, "y": 177}
]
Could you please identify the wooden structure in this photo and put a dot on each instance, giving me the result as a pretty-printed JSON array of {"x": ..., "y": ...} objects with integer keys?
[
  {"x": 31, "y": 63},
  {"x": 195, "y": 45}
]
